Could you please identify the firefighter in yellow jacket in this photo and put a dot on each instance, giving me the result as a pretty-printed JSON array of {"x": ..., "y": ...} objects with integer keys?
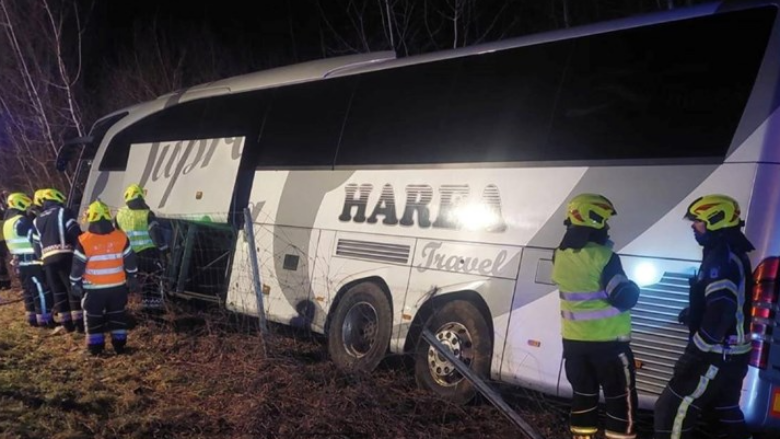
[
  {"x": 17, "y": 229},
  {"x": 104, "y": 267},
  {"x": 5, "y": 277},
  {"x": 596, "y": 298},
  {"x": 146, "y": 239}
]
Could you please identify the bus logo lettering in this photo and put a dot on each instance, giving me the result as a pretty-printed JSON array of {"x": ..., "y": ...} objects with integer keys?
[{"x": 457, "y": 209}]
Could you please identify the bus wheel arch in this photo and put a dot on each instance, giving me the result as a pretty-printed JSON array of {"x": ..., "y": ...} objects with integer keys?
[
  {"x": 462, "y": 322},
  {"x": 359, "y": 325}
]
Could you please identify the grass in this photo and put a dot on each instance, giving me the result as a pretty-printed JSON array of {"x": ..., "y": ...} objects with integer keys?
[{"x": 206, "y": 374}]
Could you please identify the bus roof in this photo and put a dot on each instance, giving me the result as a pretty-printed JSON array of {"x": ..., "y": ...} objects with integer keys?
[
  {"x": 361, "y": 63},
  {"x": 353, "y": 64}
]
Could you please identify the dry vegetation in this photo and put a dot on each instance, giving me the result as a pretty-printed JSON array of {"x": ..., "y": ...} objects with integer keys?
[{"x": 201, "y": 373}]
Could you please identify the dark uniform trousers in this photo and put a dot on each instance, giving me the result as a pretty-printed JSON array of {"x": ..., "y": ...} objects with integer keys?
[
  {"x": 67, "y": 305},
  {"x": 38, "y": 301},
  {"x": 151, "y": 269},
  {"x": 104, "y": 310},
  {"x": 5, "y": 277},
  {"x": 706, "y": 380},
  {"x": 609, "y": 366}
]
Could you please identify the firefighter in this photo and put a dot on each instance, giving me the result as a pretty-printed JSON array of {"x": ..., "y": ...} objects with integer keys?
[
  {"x": 5, "y": 277},
  {"x": 104, "y": 267},
  {"x": 596, "y": 297},
  {"x": 709, "y": 374},
  {"x": 18, "y": 231},
  {"x": 37, "y": 206},
  {"x": 145, "y": 234},
  {"x": 56, "y": 232}
]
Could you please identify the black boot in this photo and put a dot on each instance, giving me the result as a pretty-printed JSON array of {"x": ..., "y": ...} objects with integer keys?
[
  {"x": 120, "y": 346},
  {"x": 96, "y": 349}
]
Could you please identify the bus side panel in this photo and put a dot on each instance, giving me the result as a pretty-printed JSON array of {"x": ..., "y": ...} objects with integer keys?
[
  {"x": 358, "y": 256},
  {"x": 241, "y": 295},
  {"x": 283, "y": 254},
  {"x": 442, "y": 267},
  {"x": 532, "y": 353}
]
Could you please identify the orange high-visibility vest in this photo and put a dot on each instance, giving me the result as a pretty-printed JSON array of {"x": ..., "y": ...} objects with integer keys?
[{"x": 105, "y": 259}]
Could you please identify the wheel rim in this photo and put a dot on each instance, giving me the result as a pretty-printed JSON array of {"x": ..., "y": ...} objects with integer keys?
[
  {"x": 455, "y": 337},
  {"x": 359, "y": 330}
]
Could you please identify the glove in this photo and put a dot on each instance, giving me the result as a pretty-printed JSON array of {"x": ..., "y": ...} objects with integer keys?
[
  {"x": 682, "y": 317},
  {"x": 133, "y": 285},
  {"x": 77, "y": 290}
]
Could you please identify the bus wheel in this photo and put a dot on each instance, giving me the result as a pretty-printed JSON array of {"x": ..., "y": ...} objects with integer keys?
[
  {"x": 460, "y": 327},
  {"x": 359, "y": 331}
]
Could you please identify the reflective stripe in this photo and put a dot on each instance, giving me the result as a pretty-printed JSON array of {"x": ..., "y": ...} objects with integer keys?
[
  {"x": 701, "y": 344},
  {"x": 92, "y": 287},
  {"x": 682, "y": 411},
  {"x": 60, "y": 226},
  {"x": 591, "y": 315},
  {"x": 615, "y": 282},
  {"x": 627, "y": 376},
  {"x": 584, "y": 430},
  {"x": 732, "y": 349},
  {"x": 103, "y": 271},
  {"x": 106, "y": 257},
  {"x": 41, "y": 293},
  {"x": 740, "y": 301},
  {"x": 17, "y": 241},
  {"x": 135, "y": 233},
  {"x": 723, "y": 284},
  {"x": 579, "y": 297}
]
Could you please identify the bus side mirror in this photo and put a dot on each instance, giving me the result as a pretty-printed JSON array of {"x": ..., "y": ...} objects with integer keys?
[{"x": 70, "y": 149}]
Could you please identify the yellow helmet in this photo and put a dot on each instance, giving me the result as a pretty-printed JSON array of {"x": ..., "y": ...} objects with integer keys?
[
  {"x": 52, "y": 194},
  {"x": 590, "y": 210},
  {"x": 98, "y": 211},
  {"x": 133, "y": 191},
  {"x": 716, "y": 211},
  {"x": 19, "y": 201},
  {"x": 38, "y": 197}
]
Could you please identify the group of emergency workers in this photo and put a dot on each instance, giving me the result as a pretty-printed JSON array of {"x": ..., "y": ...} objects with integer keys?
[
  {"x": 79, "y": 280},
  {"x": 596, "y": 299}
]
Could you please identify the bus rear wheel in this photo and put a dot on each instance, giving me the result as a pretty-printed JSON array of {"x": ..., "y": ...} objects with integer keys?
[
  {"x": 462, "y": 329},
  {"x": 359, "y": 331}
]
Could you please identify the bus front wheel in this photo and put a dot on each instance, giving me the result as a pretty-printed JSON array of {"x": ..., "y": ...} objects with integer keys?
[
  {"x": 462, "y": 329},
  {"x": 359, "y": 331}
]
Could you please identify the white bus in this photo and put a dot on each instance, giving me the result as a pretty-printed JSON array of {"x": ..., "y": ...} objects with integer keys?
[{"x": 429, "y": 191}]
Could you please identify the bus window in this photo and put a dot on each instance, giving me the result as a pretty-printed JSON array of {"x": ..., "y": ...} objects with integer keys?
[
  {"x": 502, "y": 104},
  {"x": 304, "y": 124},
  {"x": 179, "y": 122},
  {"x": 665, "y": 91},
  {"x": 397, "y": 116}
]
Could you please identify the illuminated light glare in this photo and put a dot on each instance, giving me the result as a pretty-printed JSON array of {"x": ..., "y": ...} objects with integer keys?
[
  {"x": 475, "y": 216},
  {"x": 645, "y": 274}
]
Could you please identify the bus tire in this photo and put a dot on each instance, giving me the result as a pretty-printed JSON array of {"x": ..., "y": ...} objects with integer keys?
[
  {"x": 360, "y": 329},
  {"x": 461, "y": 327}
]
